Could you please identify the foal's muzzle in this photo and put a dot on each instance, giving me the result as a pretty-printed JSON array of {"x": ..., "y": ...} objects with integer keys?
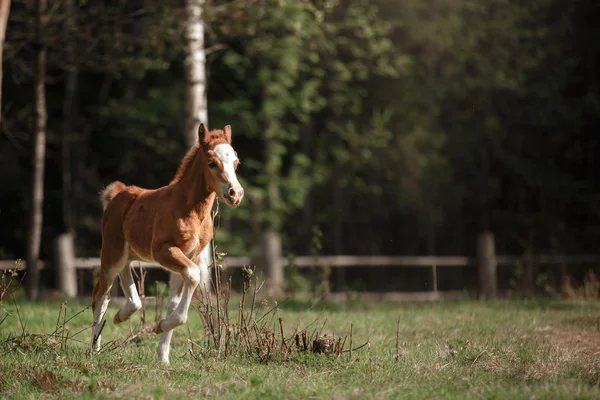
[{"x": 234, "y": 195}]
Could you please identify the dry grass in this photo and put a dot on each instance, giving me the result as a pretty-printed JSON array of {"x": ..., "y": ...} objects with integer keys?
[
  {"x": 504, "y": 349},
  {"x": 544, "y": 354},
  {"x": 256, "y": 328},
  {"x": 576, "y": 347}
]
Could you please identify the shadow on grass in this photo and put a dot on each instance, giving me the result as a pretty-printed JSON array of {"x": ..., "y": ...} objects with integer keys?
[
  {"x": 366, "y": 305},
  {"x": 540, "y": 303},
  {"x": 591, "y": 323}
]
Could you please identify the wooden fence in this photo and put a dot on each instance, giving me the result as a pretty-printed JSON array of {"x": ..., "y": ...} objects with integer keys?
[{"x": 485, "y": 262}]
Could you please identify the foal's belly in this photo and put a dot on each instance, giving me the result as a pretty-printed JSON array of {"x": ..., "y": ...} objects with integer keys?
[
  {"x": 191, "y": 249},
  {"x": 136, "y": 254}
]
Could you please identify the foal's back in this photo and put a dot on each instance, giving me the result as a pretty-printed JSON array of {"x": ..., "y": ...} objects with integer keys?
[
  {"x": 128, "y": 221},
  {"x": 149, "y": 217}
]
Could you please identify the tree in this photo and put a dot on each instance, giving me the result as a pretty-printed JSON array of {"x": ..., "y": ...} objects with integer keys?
[
  {"x": 38, "y": 159},
  {"x": 297, "y": 81},
  {"x": 195, "y": 71},
  {"x": 195, "y": 91},
  {"x": 4, "y": 12},
  {"x": 68, "y": 116},
  {"x": 393, "y": 127},
  {"x": 274, "y": 69}
]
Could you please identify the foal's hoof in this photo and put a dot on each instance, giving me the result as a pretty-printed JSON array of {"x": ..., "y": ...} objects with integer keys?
[
  {"x": 117, "y": 320},
  {"x": 157, "y": 329}
]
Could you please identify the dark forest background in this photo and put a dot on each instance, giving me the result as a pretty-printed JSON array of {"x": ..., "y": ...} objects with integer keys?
[{"x": 379, "y": 126}]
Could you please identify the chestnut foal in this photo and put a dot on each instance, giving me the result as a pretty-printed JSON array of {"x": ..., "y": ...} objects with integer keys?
[{"x": 170, "y": 226}]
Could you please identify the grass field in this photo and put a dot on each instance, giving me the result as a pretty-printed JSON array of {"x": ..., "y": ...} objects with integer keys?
[{"x": 502, "y": 350}]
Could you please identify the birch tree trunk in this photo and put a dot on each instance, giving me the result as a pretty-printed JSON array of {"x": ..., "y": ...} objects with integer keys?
[
  {"x": 195, "y": 71},
  {"x": 39, "y": 149},
  {"x": 271, "y": 239},
  {"x": 70, "y": 92},
  {"x": 195, "y": 93},
  {"x": 4, "y": 11},
  {"x": 67, "y": 125},
  {"x": 64, "y": 249}
]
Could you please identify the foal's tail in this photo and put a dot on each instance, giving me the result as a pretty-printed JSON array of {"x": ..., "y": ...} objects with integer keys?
[{"x": 107, "y": 194}]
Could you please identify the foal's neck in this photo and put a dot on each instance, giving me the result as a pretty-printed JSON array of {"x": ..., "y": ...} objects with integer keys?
[{"x": 195, "y": 192}]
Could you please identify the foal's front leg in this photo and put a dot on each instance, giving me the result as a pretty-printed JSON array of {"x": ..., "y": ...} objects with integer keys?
[
  {"x": 172, "y": 257},
  {"x": 175, "y": 289},
  {"x": 175, "y": 295}
]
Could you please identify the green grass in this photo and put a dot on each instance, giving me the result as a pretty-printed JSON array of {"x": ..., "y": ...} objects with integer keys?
[{"x": 500, "y": 350}]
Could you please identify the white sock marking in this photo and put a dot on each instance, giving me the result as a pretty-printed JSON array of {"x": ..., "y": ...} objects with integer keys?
[{"x": 129, "y": 289}]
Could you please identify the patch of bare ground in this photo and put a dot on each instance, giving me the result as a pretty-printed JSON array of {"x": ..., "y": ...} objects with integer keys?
[
  {"x": 572, "y": 342},
  {"x": 566, "y": 350},
  {"x": 549, "y": 353},
  {"x": 46, "y": 381},
  {"x": 576, "y": 346}
]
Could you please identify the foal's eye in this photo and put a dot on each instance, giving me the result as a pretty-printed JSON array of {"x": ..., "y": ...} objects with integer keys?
[{"x": 211, "y": 164}]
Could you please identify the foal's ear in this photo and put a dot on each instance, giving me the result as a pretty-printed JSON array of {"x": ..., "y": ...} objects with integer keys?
[
  {"x": 201, "y": 133},
  {"x": 227, "y": 131}
]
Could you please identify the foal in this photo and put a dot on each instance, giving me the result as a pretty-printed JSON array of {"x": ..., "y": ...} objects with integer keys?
[{"x": 170, "y": 226}]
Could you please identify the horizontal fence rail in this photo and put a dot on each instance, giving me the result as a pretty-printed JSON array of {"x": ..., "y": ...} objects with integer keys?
[
  {"x": 362, "y": 261},
  {"x": 485, "y": 263}
]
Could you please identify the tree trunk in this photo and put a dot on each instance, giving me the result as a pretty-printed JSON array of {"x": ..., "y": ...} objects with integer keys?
[
  {"x": 273, "y": 170},
  {"x": 484, "y": 186},
  {"x": 64, "y": 250},
  {"x": 308, "y": 219},
  {"x": 68, "y": 114},
  {"x": 271, "y": 249},
  {"x": 271, "y": 261},
  {"x": 431, "y": 231},
  {"x": 196, "y": 102},
  {"x": 4, "y": 11},
  {"x": 195, "y": 71},
  {"x": 487, "y": 266},
  {"x": 64, "y": 262},
  {"x": 338, "y": 216},
  {"x": 67, "y": 127},
  {"x": 338, "y": 231},
  {"x": 39, "y": 149}
]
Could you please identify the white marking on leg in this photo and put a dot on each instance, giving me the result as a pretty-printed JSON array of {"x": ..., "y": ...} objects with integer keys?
[
  {"x": 133, "y": 303},
  {"x": 164, "y": 344},
  {"x": 102, "y": 304},
  {"x": 205, "y": 261},
  {"x": 191, "y": 279},
  {"x": 99, "y": 312}
]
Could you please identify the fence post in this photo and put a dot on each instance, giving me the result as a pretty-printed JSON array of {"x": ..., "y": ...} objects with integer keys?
[
  {"x": 486, "y": 265},
  {"x": 272, "y": 262},
  {"x": 64, "y": 260},
  {"x": 529, "y": 274}
]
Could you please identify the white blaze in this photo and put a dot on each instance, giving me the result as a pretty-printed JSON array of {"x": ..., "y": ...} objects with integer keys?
[{"x": 227, "y": 156}]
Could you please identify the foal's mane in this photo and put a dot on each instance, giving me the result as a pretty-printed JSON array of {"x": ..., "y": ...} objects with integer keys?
[{"x": 216, "y": 135}]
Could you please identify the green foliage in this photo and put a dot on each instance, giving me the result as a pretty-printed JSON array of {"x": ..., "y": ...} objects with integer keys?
[
  {"x": 396, "y": 127},
  {"x": 307, "y": 67}
]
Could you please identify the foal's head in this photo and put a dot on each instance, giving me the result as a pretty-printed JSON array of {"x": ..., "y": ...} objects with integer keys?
[{"x": 222, "y": 162}]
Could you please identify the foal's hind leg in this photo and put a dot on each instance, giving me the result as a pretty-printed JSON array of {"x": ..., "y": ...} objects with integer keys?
[
  {"x": 131, "y": 294},
  {"x": 111, "y": 264}
]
